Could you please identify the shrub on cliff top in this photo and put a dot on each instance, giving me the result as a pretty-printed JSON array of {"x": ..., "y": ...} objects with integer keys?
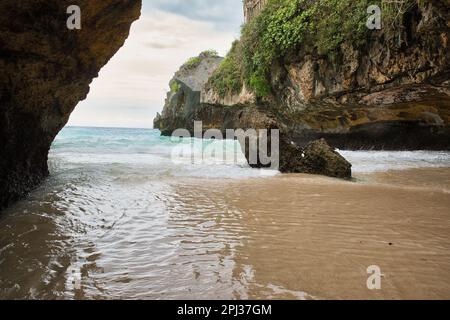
[
  {"x": 193, "y": 62},
  {"x": 211, "y": 53}
]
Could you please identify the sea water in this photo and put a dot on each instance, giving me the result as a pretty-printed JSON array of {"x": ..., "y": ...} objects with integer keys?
[{"x": 147, "y": 153}]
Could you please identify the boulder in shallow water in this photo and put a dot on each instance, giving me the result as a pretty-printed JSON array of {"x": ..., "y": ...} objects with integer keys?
[
  {"x": 316, "y": 158},
  {"x": 319, "y": 158}
]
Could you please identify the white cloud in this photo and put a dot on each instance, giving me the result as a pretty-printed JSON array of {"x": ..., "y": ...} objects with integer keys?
[
  {"x": 223, "y": 14},
  {"x": 132, "y": 87}
]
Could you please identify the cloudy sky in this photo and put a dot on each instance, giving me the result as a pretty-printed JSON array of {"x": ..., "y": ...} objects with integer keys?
[{"x": 131, "y": 89}]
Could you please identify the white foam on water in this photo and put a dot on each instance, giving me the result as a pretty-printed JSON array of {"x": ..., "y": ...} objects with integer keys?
[
  {"x": 379, "y": 161},
  {"x": 144, "y": 151}
]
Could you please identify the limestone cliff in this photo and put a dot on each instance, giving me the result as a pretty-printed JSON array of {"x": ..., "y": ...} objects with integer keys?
[
  {"x": 46, "y": 70},
  {"x": 183, "y": 99},
  {"x": 381, "y": 96},
  {"x": 386, "y": 94}
]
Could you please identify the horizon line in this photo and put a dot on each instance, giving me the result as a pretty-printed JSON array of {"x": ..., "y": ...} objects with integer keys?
[{"x": 102, "y": 127}]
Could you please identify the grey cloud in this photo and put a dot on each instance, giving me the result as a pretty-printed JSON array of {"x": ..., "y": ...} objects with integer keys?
[
  {"x": 225, "y": 15},
  {"x": 161, "y": 45}
]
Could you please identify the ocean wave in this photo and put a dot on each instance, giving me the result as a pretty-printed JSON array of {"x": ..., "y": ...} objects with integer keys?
[
  {"x": 146, "y": 151},
  {"x": 379, "y": 161}
]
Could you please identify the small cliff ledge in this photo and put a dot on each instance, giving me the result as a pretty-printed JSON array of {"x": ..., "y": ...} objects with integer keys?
[{"x": 46, "y": 71}]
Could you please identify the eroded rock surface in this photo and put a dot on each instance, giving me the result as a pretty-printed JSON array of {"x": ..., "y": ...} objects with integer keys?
[
  {"x": 394, "y": 93},
  {"x": 319, "y": 158},
  {"x": 46, "y": 71},
  {"x": 184, "y": 97}
]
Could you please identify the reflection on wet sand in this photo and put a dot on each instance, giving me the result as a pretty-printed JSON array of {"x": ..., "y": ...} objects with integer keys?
[
  {"x": 33, "y": 255},
  {"x": 319, "y": 236},
  {"x": 285, "y": 237}
]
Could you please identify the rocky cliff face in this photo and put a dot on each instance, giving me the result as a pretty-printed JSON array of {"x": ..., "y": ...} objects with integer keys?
[
  {"x": 184, "y": 99},
  {"x": 46, "y": 71},
  {"x": 392, "y": 94}
]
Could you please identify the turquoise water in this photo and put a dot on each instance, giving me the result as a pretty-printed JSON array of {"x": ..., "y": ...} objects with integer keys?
[
  {"x": 146, "y": 150},
  {"x": 146, "y": 153}
]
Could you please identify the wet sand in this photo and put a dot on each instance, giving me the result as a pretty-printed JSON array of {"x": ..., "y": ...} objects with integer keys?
[
  {"x": 284, "y": 237},
  {"x": 318, "y": 235}
]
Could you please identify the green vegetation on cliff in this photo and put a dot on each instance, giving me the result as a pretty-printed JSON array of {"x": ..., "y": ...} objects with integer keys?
[
  {"x": 193, "y": 62},
  {"x": 228, "y": 76},
  {"x": 174, "y": 86},
  {"x": 286, "y": 25}
]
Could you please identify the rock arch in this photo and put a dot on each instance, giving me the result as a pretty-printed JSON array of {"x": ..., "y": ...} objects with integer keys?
[{"x": 46, "y": 71}]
